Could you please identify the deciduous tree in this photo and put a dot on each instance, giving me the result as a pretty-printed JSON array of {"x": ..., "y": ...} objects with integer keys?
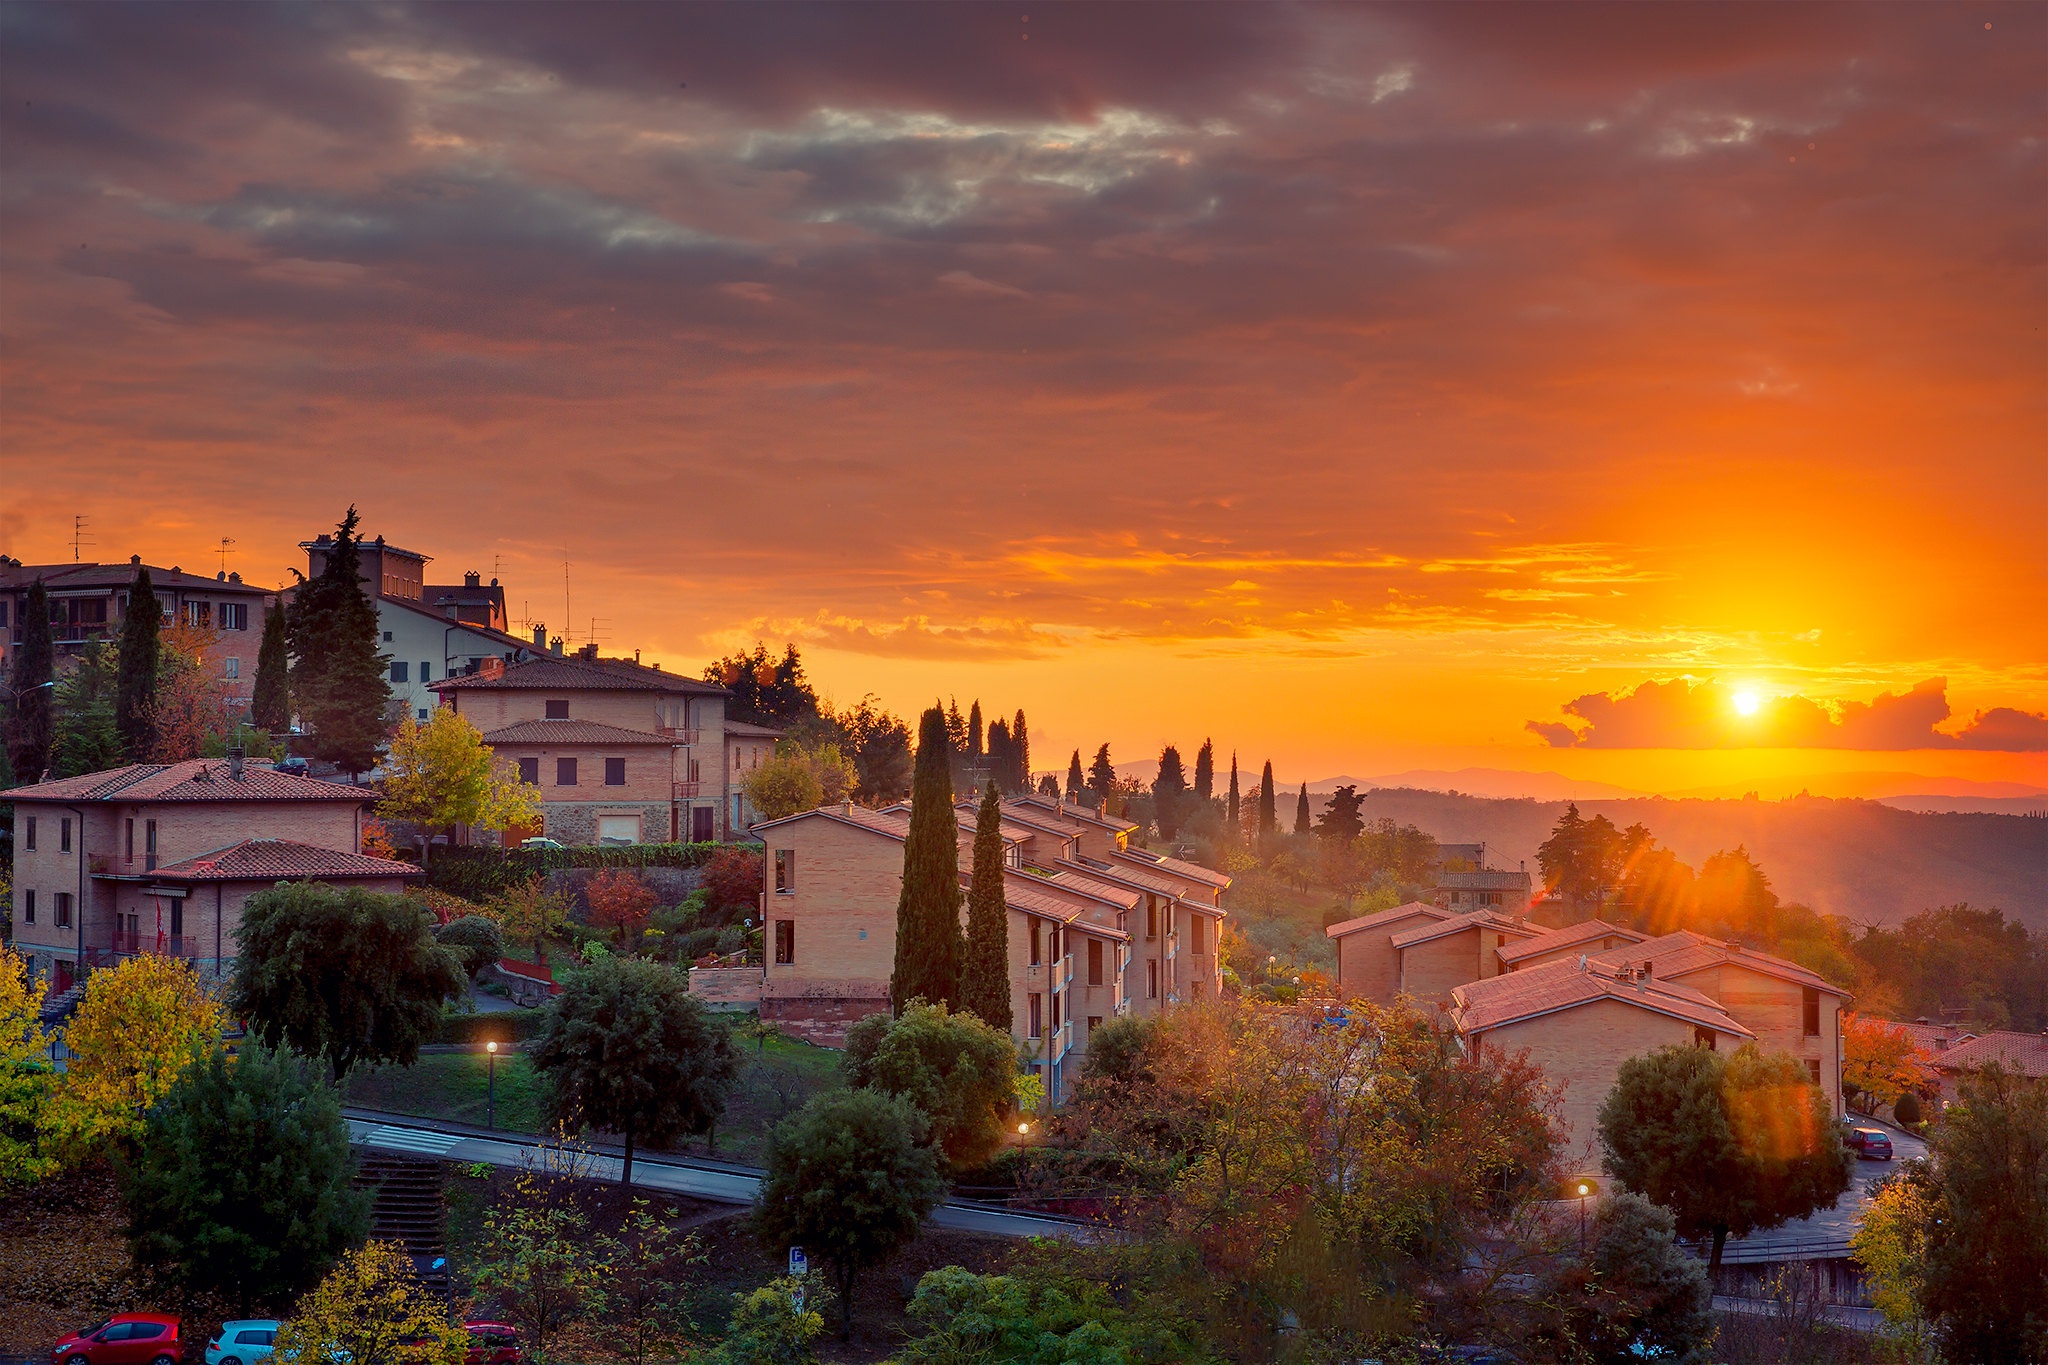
[
  {"x": 800, "y": 778},
  {"x": 531, "y": 913},
  {"x": 621, "y": 900},
  {"x": 441, "y": 774},
  {"x": 772, "y": 1326},
  {"x": 30, "y": 685},
  {"x": 271, "y": 705},
  {"x": 140, "y": 1027},
  {"x": 372, "y": 1307},
  {"x": 190, "y": 710},
  {"x": 958, "y": 1070},
  {"x": 541, "y": 1264},
  {"x": 1881, "y": 1060},
  {"x": 342, "y": 974},
  {"x": 648, "y": 1290},
  {"x": 242, "y": 1182},
  {"x": 733, "y": 878},
  {"x": 25, "y": 1075},
  {"x": 1637, "y": 1296},
  {"x": 136, "y": 691},
  {"x": 627, "y": 1049},
  {"x": 1891, "y": 1246},
  {"x": 881, "y": 751},
  {"x": 928, "y": 942},
  {"x": 1731, "y": 1144},
  {"x": 337, "y": 677},
  {"x": 850, "y": 1179},
  {"x": 985, "y": 982}
]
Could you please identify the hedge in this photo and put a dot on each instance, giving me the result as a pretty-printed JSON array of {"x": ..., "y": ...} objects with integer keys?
[{"x": 479, "y": 873}]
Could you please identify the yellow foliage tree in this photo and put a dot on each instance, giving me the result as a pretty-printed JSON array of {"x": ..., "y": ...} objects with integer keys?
[
  {"x": 442, "y": 774},
  {"x": 24, "y": 1074},
  {"x": 372, "y": 1308},
  {"x": 1881, "y": 1060},
  {"x": 530, "y": 912},
  {"x": 139, "y": 1028},
  {"x": 799, "y": 778},
  {"x": 1891, "y": 1244}
]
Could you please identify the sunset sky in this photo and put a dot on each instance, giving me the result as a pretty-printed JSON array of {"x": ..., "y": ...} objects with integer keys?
[{"x": 1370, "y": 389}]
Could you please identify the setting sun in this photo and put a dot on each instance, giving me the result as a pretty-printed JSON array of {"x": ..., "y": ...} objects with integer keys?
[{"x": 1747, "y": 702}]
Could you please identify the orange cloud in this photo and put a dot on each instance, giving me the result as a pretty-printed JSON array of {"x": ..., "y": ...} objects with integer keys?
[{"x": 1685, "y": 713}]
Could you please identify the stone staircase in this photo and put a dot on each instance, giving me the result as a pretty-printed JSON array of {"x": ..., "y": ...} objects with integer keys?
[{"x": 409, "y": 1210}]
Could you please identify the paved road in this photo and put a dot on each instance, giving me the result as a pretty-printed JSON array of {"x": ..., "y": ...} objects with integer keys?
[
  {"x": 1831, "y": 1228},
  {"x": 718, "y": 1182}
]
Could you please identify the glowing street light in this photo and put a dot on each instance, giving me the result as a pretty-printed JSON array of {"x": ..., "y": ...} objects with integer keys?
[{"x": 491, "y": 1102}]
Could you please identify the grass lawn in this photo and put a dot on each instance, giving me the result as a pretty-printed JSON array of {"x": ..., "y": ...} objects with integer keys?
[{"x": 776, "y": 1078}]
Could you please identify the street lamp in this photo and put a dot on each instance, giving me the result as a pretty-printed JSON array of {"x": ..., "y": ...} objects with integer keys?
[
  {"x": 1585, "y": 1187},
  {"x": 491, "y": 1102}
]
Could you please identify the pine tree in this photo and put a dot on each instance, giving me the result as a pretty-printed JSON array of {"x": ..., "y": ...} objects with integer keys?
[
  {"x": 1102, "y": 776},
  {"x": 956, "y": 727},
  {"x": 136, "y": 689},
  {"x": 1205, "y": 773},
  {"x": 271, "y": 707},
  {"x": 1233, "y": 799},
  {"x": 1075, "y": 781},
  {"x": 974, "y": 749},
  {"x": 1301, "y": 811},
  {"x": 86, "y": 739},
  {"x": 1000, "y": 756},
  {"x": 985, "y": 983},
  {"x": 1020, "y": 753},
  {"x": 928, "y": 944},
  {"x": 1267, "y": 822},
  {"x": 1169, "y": 793},
  {"x": 28, "y": 724},
  {"x": 339, "y": 678}
]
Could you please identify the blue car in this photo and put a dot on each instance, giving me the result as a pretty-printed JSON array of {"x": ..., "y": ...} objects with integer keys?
[{"x": 243, "y": 1343}]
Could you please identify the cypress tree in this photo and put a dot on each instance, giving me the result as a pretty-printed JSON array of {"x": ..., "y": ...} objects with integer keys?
[
  {"x": 1000, "y": 757},
  {"x": 1075, "y": 782},
  {"x": 135, "y": 691},
  {"x": 974, "y": 749},
  {"x": 1020, "y": 753},
  {"x": 1102, "y": 776},
  {"x": 1233, "y": 798},
  {"x": 28, "y": 727},
  {"x": 1205, "y": 773},
  {"x": 339, "y": 678},
  {"x": 928, "y": 945},
  {"x": 1267, "y": 822},
  {"x": 1301, "y": 811},
  {"x": 271, "y": 706},
  {"x": 1169, "y": 793},
  {"x": 985, "y": 984}
]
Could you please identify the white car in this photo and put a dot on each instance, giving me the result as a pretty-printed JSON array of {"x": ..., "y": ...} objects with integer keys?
[{"x": 243, "y": 1343}]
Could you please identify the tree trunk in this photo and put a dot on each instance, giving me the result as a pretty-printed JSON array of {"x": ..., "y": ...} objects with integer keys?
[
  {"x": 626, "y": 1171},
  {"x": 846, "y": 1303},
  {"x": 1714, "y": 1265}
]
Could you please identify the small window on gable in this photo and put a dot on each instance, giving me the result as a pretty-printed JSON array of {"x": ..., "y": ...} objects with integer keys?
[
  {"x": 1809, "y": 1009},
  {"x": 558, "y": 710}
]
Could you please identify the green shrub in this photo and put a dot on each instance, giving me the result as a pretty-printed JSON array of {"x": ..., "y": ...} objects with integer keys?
[
  {"x": 479, "y": 873},
  {"x": 478, "y": 941},
  {"x": 1907, "y": 1110}
]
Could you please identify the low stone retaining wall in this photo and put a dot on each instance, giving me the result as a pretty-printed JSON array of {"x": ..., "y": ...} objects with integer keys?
[
  {"x": 727, "y": 988},
  {"x": 821, "y": 1019}
]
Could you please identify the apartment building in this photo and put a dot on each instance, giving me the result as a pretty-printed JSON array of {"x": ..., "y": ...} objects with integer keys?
[
  {"x": 159, "y": 857},
  {"x": 622, "y": 753},
  {"x": 88, "y": 602}
]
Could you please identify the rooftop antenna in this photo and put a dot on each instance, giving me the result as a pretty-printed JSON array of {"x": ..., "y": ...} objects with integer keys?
[
  {"x": 566, "y": 617},
  {"x": 498, "y": 566},
  {"x": 78, "y": 535},
  {"x": 225, "y": 541}
]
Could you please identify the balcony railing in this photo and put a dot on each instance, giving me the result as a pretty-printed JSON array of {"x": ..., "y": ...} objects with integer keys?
[
  {"x": 685, "y": 790},
  {"x": 132, "y": 941},
  {"x": 679, "y": 734}
]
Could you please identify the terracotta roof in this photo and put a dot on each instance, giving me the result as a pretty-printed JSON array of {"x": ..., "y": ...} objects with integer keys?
[
  {"x": 1037, "y": 817},
  {"x": 1022, "y": 891},
  {"x": 1380, "y": 917},
  {"x": 571, "y": 732},
  {"x": 278, "y": 859},
  {"x": 109, "y": 577},
  {"x": 1121, "y": 896},
  {"x": 557, "y": 673},
  {"x": 1067, "y": 810},
  {"x": 746, "y": 729},
  {"x": 969, "y": 815},
  {"x": 1177, "y": 866},
  {"x": 1123, "y": 876},
  {"x": 1515, "y": 996},
  {"x": 1477, "y": 919},
  {"x": 1482, "y": 881},
  {"x": 198, "y": 779},
  {"x": 1684, "y": 952},
  {"x": 884, "y": 823},
  {"x": 1932, "y": 1039},
  {"x": 2026, "y": 1053},
  {"x": 1571, "y": 936}
]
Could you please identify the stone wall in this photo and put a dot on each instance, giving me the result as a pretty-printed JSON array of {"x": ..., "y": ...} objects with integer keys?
[
  {"x": 726, "y": 988},
  {"x": 821, "y": 1019}
]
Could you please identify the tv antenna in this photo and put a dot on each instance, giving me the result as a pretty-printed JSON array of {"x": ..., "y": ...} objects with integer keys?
[
  {"x": 78, "y": 534},
  {"x": 566, "y": 617},
  {"x": 225, "y": 541}
]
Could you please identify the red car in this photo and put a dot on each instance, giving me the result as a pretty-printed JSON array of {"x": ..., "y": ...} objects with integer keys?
[
  {"x": 124, "y": 1339},
  {"x": 492, "y": 1343}
]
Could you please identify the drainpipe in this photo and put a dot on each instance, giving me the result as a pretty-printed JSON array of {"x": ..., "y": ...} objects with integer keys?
[
  {"x": 216, "y": 930},
  {"x": 79, "y": 850}
]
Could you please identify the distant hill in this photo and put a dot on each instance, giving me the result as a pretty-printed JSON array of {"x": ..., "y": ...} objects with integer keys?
[{"x": 1867, "y": 861}]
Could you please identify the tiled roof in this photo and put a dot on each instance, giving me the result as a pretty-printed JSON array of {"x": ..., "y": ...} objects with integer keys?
[
  {"x": 1393, "y": 916},
  {"x": 746, "y": 729},
  {"x": 1477, "y": 919},
  {"x": 1177, "y": 866},
  {"x": 1481, "y": 1005},
  {"x": 884, "y": 823},
  {"x": 198, "y": 779},
  {"x": 1684, "y": 952},
  {"x": 1022, "y": 891},
  {"x": 81, "y": 577},
  {"x": 555, "y": 673},
  {"x": 1482, "y": 881},
  {"x": 1124, "y": 876},
  {"x": 1932, "y": 1039},
  {"x": 968, "y": 813},
  {"x": 1121, "y": 896},
  {"x": 1571, "y": 936},
  {"x": 1037, "y": 817},
  {"x": 2026, "y": 1053},
  {"x": 277, "y": 859},
  {"x": 1067, "y": 810},
  {"x": 571, "y": 732},
  {"x": 492, "y": 633}
]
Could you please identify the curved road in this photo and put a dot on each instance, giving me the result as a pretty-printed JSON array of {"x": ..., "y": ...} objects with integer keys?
[{"x": 716, "y": 1181}]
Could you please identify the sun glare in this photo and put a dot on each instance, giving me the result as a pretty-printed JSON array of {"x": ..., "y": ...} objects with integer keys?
[{"x": 1747, "y": 702}]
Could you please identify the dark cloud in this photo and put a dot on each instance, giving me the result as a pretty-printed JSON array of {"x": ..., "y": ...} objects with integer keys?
[{"x": 1713, "y": 714}]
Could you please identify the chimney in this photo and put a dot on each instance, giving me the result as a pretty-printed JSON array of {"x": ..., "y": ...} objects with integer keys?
[
  {"x": 221, "y": 577},
  {"x": 235, "y": 576},
  {"x": 636, "y": 656},
  {"x": 588, "y": 651},
  {"x": 1647, "y": 973},
  {"x": 135, "y": 560},
  {"x": 540, "y": 636},
  {"x": 472, "y": 579},
  {"x": 555, "y": 645},
  {"x": 235, "y": 763},
  {"x": 1102, "y": 807}
]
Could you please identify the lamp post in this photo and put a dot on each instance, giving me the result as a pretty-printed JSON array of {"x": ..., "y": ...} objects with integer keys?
[
  {"x": 1585, "y": 1188},
  {"x": 491, "y": 1101}
]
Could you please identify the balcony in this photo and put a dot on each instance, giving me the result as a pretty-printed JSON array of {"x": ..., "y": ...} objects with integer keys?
[
  {"x": 128, "y": 942},
  {"x": 679, "y": 734},
  {"x": 684, "y": 791},
  {"x": 1062, "y": 973}
]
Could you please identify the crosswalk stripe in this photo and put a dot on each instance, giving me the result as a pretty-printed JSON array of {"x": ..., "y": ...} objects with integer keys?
[{"x": 413, "y": 1140}]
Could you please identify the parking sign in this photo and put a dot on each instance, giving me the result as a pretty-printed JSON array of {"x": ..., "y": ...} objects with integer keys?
[{"x": 798, "y": 1265}]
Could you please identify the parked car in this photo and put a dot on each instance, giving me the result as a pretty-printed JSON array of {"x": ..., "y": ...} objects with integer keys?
[
  {"x": 243, "y": 1343},
  {"x": 541, "y": 841},
  {"x": 1872, "y": 1144},
  {"x": 492, "y": 1343},
  {"x": 123, "y": 1339}
]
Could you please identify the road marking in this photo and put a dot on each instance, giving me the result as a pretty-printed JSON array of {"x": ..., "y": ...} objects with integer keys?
[{"x": 413, "y": 1140}]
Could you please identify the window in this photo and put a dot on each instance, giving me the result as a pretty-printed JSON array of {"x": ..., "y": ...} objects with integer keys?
[
  {"x": 1095, "y": 962},
  {"x": 1094, "y": 1023},
  {"x": 1195, "y": 934},
  {"x": 529, "y": 771},
  {"x": 785, "y": 871},
  {"x": 234, "y": 616},
  {"x": 199, "y": 614},
  {"x": 399, "y": 669},
  {"x": 149, "y": 837},
  {"x": 3, "y": 611},
  {"x": 1813, "y": 1071},
  {"x": 1037, "y": 956},
  {"x": 558, "y": 710},
  {"x": 1055, "y": 1013},
  {"x": 616, "y": 830},
  {"x": 565, "y": 772},
  {"x": 1036, "y": 1027},
  {"x": 615, "y": 772},
  {"x": 64, "y": 835},
  {"x": 1703, "y": 1037},
  {"x": 1809, "y": 1008},
  {"x": 231, "y": 668},
  {"x": 735, "y": 760},
  {"x": 63, "y": 909},
  {"x": 696, "y": 770},
  {"x": 31, "y": 832},
  {"x": 426, "y": 671},
  {"x": 1151, "y": 917},
  {"x": 785, "y": 941},
  {"x": 1152, "y": 979},
  {"x": 128, "y": 842},
  {"x": 423, "y": 713},
  {"x": 387, "y": 637},
  {"x": 28, "y": 905}
]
